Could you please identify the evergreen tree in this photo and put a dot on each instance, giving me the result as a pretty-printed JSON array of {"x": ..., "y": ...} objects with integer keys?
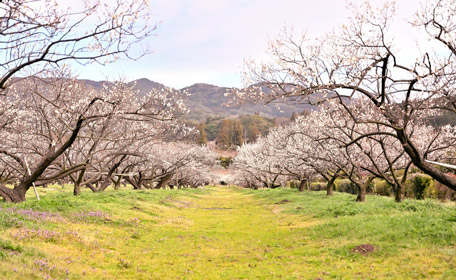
[
  {"x": 223, "y": 136},
  {"x": 253, "y": 133},
  {"x": 238, "y": 133},
  {"x": 294, "y": 116},
  {"x": 202, "y": 137},
  {"x": 230, "y": 134}
]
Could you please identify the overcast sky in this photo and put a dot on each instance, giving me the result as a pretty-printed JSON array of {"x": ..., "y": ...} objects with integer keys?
[{"x": 206, "y": 41}]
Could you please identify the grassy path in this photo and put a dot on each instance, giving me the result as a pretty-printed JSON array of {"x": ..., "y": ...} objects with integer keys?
[
  {"x": 223, "y": 233},
  {"x": 228, "y": 235},
  {"x": 219, "y": 233}
]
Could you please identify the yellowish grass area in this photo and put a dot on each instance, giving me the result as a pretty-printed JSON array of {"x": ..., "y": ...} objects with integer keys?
[{"x": 218, "y": 234}]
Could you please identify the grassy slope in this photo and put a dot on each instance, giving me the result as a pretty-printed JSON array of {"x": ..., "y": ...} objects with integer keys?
[{"x": 224, "y": 233}]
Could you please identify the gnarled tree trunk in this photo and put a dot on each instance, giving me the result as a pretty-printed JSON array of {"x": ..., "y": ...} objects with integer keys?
[
  {"x": 164, "y": 180},
  {"x": 9, "y": 195},
  {"x": 398, "y": 192},
  {"x": 302, "y": 185},
  {"x": 361, "y": 193},
  {"x": 18, "y": 193},
  {"x": 330, "y": 185},
  {"x": 362, "y": 188}
]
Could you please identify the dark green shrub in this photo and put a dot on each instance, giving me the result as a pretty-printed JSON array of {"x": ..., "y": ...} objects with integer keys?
[{"x": 423, "y": 187}]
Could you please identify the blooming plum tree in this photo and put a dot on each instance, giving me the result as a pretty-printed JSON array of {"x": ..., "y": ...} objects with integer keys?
[
  {"x": 361, "y": 61},
  {"x": 42, "y": 35}
]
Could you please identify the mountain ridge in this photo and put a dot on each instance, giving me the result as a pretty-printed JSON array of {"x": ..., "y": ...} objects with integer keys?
[{"x": 206, "y": 100}]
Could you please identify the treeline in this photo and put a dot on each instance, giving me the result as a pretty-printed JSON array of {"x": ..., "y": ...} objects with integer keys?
[
  {"x": 96, "y": 138},
  {"x": 331, "y": 145},
  {"x": 378, "y": 111},
  {"x": 417, "y": 186},
  {"x": 231, "y": 132}
]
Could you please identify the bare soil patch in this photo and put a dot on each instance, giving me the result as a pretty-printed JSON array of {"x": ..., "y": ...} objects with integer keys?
[{"x": 364, "y": 249}]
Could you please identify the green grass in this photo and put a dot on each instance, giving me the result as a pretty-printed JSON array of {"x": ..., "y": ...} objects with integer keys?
[
  {"x": 224, "y": 233},
  {"x": 418, "y": 220}
]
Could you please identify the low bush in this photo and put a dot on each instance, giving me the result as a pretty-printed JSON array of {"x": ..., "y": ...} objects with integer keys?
[
  {"x": 318, "y": 186},
  {"x": 381, "y": 187},
  {"x": 423, "y": 187},
  {"x": 293, "y": 184},
  {"x": 345, "y": 185}
]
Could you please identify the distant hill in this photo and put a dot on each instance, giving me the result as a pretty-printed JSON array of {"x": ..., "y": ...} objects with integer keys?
[{"x": 207, "y": 101}]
